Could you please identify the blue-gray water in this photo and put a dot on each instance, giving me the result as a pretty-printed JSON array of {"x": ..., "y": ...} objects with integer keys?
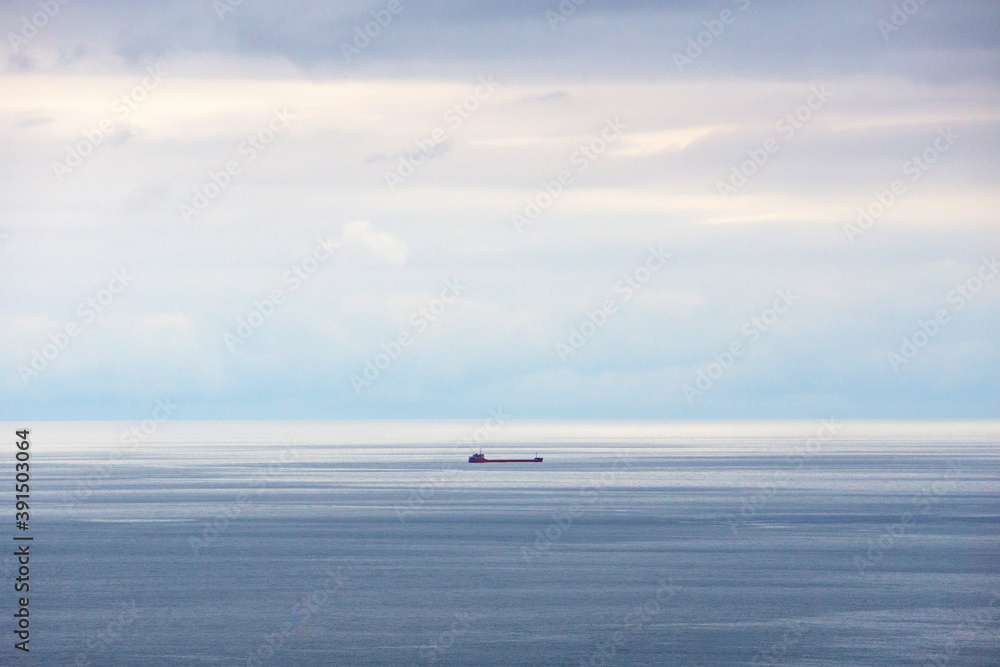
[{"x": 633, "y": 544}]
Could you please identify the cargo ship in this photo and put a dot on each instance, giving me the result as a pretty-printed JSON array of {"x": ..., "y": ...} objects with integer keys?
[{"x": 481, "y": 458}]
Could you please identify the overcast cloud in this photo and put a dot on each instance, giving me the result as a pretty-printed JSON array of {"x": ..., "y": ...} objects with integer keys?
[{"x": 262, "y": 207}]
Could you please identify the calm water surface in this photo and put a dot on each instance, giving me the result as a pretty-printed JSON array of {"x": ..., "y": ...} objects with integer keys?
[{"x": 309, "y": 543}]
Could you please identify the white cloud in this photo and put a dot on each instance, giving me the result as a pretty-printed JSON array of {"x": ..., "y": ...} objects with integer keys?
[
  {"x": 451, "y": 219},
  {"x": 360, "y": 236}
]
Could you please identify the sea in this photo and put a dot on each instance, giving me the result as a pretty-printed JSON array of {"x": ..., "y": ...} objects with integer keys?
[{"x": 824, "y": 542}]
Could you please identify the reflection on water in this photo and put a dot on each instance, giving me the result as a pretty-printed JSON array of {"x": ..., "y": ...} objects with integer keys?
[{"x": 633, "y": 543}]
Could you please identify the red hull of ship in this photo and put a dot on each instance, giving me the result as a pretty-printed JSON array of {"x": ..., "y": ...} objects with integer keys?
[{"x": 505, "y": 460}]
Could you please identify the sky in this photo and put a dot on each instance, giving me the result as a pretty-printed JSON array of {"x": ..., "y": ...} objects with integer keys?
[{"x": 606, "y": 210}]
